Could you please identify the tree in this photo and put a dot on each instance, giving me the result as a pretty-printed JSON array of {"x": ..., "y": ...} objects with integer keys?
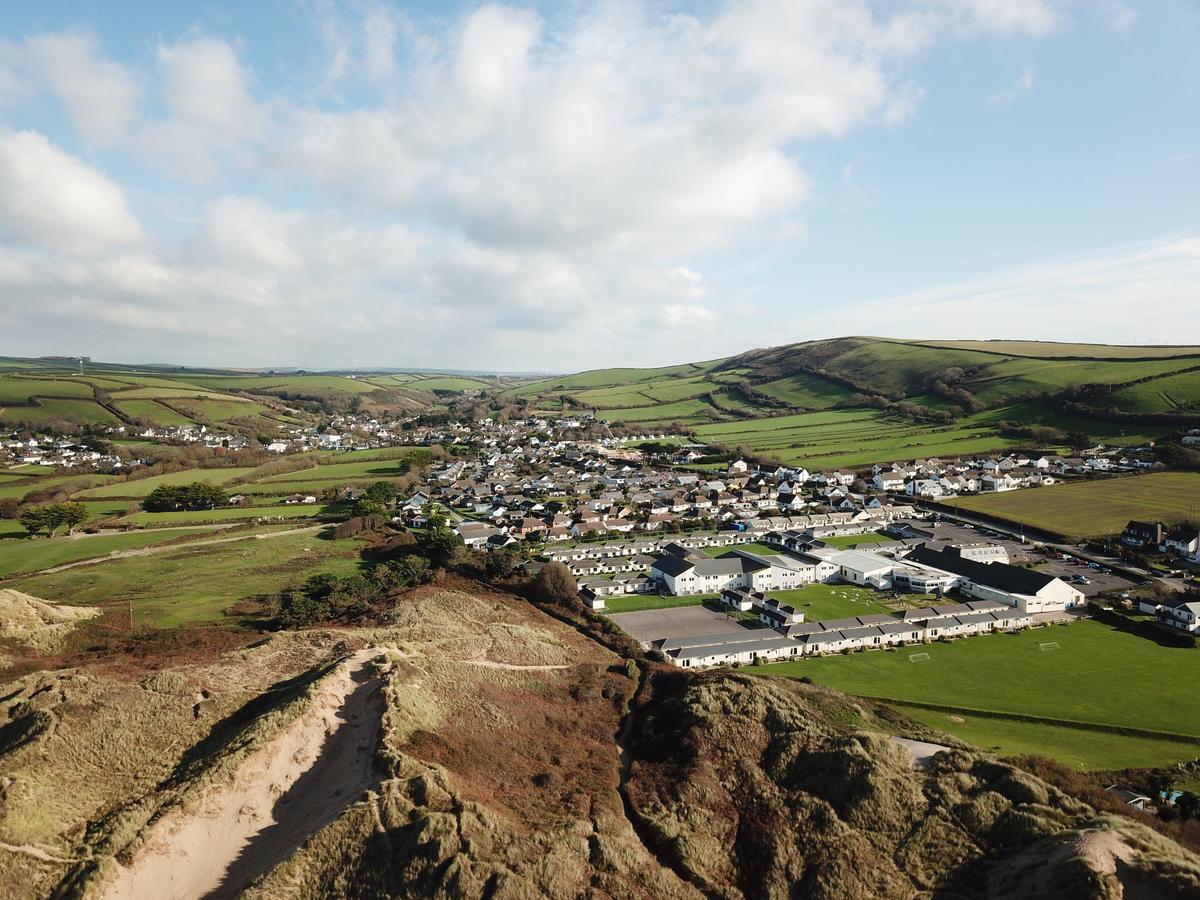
[
  {"x": 369, "y": 509},
  {"x": 1077, "y": 440},
  {"x": 1188, "y": 805},
  {"x": 501, "y": 563},
  {"x": 72, "y": 515},
  {"x": 381, "y": 492},
  {"x": 414, "y": 570},
  {"x": 441, "y": 544},
  {"x": 34, "y": 520},
  {"x": 10, "y": 508},
  {"x": 199, "y": 495},
  {"x": 554, "y": 583}
]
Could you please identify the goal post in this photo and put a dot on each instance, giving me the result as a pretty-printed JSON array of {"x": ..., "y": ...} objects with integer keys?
[
  {"x": 1049, "y": 645},
  {"x": 918, "y": 657}
]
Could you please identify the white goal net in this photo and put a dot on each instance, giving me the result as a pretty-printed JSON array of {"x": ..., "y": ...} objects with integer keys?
[{"x": 918, "y": 657}]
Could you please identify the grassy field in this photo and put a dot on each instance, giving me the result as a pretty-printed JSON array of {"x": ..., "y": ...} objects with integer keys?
[
  {"x": 1092, "y": 508},
  {"x": 54, "y": 409},
  {"x": 1052, "y": 350},
  {"x": 237, "y": 514},
  {"x": 845, "y": 541},
  {"x": 139, "y": 488},
  {"x": 1098, "y": 675},
  {"x": 751, "y": 548},
  {"x": 33, "y": 555},
  {"x": 639, "y": 602},
  {"x": 194, "y": 585},
  {"x": 832, "y": 601},
  {"x": 1076, "y": 747}
]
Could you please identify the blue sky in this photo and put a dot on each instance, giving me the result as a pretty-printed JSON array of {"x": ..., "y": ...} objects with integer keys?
[{"x": 579, "y": 185}]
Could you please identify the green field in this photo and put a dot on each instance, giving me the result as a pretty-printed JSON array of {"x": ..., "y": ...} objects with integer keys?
[
  {"x": 140, "y": 487},
  {"x": 1099, "y": 676},
  {"x": 35, "y": 554},
  {"x": 1051, "y": 349},
  {"x": 193, "y": 585},
  {"x": 832, "y": 601},
  {"x": 1093, "y": 508},
  {"x": 750, "y": 548},
  {"x": 237, "y": 514},
  {"x": 639, "y": 602},
  {"x": 153, "y": 412},
  {"x": 771, "y": 401},
  {"x": 53, "y": 409},
  {"x": 845, "y": 541}
]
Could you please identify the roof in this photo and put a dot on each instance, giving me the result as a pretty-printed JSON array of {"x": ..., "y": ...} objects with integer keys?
[{"x": 1012, "y": 579}]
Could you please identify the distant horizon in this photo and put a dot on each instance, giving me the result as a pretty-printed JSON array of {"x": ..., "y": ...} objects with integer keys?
[{"x": 535, "y": 374}]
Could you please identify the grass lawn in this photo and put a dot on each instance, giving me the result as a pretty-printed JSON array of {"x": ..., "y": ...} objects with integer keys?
[
  {"x": 1091, "y": 508},
  {"x": 236, "y": 514},
  {"x": 832, "y": 601},
  {"x": 193, "y": 586},
  {"x": 749, "y": 548},
  {"x": 857, "y": 540},
  {"x": 1099, "y": 675},
  {"x": 1076, "y": 747},
  {"x": 639, "y": 602},
  {"x": 32, "y": 555},
  {"x": 140, "y": 487}
]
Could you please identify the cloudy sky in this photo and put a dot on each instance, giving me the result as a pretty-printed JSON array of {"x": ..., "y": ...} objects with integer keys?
[{"x": 573, "y": 185}]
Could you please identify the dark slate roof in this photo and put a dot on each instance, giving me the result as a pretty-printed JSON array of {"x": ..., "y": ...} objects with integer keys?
[
  {"x": 1001, "y": 576},
  {"x": 673, "y": 565}
]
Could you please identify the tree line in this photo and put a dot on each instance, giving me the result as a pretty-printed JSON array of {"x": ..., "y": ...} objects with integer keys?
[{"x": 52, "y": 517}]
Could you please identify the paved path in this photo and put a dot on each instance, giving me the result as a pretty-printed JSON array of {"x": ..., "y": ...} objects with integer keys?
[{"x": 922, "y": 752}]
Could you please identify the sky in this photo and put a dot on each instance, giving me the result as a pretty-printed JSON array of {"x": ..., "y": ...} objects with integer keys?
[{"x": 579, "y": 185}]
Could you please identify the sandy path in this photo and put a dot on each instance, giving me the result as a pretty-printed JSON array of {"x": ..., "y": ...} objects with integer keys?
[{"x": 283, "y": 793}]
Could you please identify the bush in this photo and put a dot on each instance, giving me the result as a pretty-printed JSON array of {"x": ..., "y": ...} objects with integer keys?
[{"x": 554, "y": 583}]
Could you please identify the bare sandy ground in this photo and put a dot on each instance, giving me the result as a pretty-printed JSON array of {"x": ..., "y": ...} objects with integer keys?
[{"x": 283, "y": 793}]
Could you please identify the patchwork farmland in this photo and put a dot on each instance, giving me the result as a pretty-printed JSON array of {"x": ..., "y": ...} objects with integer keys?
[{"x": 850, "y": 402}]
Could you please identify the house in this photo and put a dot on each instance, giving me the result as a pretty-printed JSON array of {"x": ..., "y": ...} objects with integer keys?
[
  {"x": 475, "y": 534},
  {"x": 1181, "y": 540},
  {"x": 1181, "y": 614},
  {"x": 293, "y": 499},
  {"x": 1139, "y": 534},
  {"x": 888, "y": 481}
]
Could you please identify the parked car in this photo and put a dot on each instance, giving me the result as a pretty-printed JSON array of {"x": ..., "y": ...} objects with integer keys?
[{"x": 1081, "y": 579}]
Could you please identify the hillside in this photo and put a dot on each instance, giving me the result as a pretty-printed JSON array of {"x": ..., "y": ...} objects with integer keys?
[
  {"x": 857, "y": 400},
  {"x": 47, "y": 393},
  {"x": 474, "y": 746}
]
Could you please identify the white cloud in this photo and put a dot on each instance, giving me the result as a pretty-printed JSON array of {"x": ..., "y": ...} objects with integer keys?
[
  {"x": 486, "y": 188},
  {"x": 1022, "y": 86},
  {"x": 1119, "y": 15},
  {"x": 1044, "y": 300},
  {"x": 53, "y": 200},
  {"x": 493, "y": 52},
  {"x": 210, "y": 113},
  {"x": 100, "y": 95}
]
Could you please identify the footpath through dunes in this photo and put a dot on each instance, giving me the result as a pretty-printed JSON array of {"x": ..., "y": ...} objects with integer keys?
[{"x": 282, "y": 793}]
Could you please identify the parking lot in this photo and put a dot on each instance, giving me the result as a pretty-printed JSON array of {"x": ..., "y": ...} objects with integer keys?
[
  {"x": 681, "y": 621},
  {"x": 1099, "y": 582}
]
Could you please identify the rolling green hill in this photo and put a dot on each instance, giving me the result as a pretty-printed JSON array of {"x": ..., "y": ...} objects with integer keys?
[
  {"x": 895, "y": 399},
  {"x": 43, "y": 393}
]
